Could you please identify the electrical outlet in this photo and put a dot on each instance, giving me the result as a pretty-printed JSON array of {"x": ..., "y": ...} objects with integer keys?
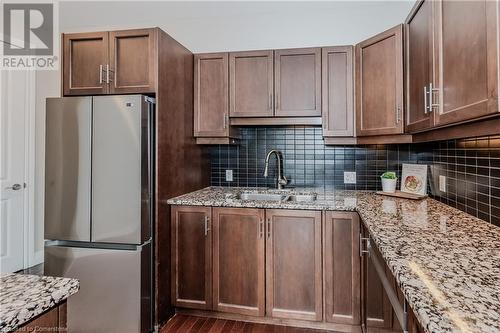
[
  {"x": 349, "y": 177},
  {"x": 229, "y": 175},
  {"x": 442, "y": 183}
]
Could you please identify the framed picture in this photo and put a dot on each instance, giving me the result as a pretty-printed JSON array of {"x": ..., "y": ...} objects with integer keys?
[{"x": 414, "y": 179}]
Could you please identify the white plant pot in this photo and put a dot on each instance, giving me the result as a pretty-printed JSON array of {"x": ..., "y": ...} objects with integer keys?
[{"x": 389, "y": 185}]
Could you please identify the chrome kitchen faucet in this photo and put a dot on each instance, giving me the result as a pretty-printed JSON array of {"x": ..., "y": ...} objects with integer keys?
[{"x": 281, "y": 179}]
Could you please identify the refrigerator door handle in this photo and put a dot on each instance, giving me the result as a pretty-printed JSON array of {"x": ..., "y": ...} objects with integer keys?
[{"x": 147, "y": 165}]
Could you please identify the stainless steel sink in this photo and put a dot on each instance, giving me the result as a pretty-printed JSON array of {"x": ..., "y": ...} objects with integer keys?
[
  {"x": 277, "y": 197},
  {"x": 262, "y": 196},
  {"x": 303, "y": 197}
]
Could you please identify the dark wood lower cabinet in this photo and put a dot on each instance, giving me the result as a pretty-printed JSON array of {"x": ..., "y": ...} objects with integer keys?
[
  {"x": 378, "y": 307},
  {"x": 239, "y": 261},
  {"x": 191, "y": 257},
  {"x": 413, "y": 324},
  {"x": 293, "y": 264},
  {"x": 377, "y": 312},
  {"x": 298, "y": 267},
  {"x": 341, "y": 267},
  {"x": 53, "y": 320}
]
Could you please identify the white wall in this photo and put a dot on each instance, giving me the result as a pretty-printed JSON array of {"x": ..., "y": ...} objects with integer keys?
[
  {"x": 208, "y": 26},
  {"x": 47, "y": 85}
]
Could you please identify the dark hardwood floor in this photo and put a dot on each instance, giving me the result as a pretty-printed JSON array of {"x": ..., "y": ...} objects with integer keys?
[{"x": 191, "y": 324}]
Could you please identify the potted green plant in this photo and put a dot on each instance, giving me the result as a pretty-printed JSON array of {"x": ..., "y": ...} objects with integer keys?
[{"x": 389, "y": 181}]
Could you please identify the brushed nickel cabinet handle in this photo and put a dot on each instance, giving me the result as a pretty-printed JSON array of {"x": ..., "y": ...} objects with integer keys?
[
  {"x": 268, "y": 228},
  {"x": 207, "y": 227},
  {"x": 112, "y": 77},
  {"x": 426, "y": 105},
  {"x": 361, "y": 241},
  {"x": 398, "y": 118},
  {"x": 100, "y": 74},
  {"x": 261, "y": 228},
  {"x": 432, "y": 90},
  {"x": 224, "y": 120}
]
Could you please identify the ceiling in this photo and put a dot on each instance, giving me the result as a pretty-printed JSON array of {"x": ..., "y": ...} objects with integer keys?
[{"x": 209, "y": 26}]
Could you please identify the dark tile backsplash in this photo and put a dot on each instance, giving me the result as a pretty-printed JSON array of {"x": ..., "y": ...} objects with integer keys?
[{"x": 472, "y": 166}]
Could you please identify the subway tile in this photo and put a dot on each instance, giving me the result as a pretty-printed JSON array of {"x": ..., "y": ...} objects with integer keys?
[{"x": 472, "y": 165}]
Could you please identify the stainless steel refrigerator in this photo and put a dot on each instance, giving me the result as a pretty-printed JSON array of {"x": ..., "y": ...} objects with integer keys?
[{"x": 99, "y": 208}]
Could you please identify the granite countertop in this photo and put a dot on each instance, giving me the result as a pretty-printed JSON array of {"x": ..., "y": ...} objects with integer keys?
[
  {"x": 23, "y": 297},
  {"x": 446, "y": 262}
]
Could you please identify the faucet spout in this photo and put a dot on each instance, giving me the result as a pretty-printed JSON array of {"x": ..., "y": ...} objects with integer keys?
[{"x": 281, "y": 180}]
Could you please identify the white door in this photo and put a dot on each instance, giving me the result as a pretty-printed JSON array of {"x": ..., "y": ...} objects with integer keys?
[{"x": 13, "y": 113}]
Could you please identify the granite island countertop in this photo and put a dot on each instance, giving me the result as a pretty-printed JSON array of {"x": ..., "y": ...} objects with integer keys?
[
  {"x": 446, "y": 262},
  {"x": 24, "y": 297}
]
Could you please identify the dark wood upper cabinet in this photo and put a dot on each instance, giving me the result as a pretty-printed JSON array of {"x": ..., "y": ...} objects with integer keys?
[
  {"x": 132, "y": 61},
  {"x": 341, "y": 267},
  {"x": 466, "y": 60},
  {"x": 116, "y": 62},
  {"x": 338, "y": 91},
  {"x": 191, "y": 257},
  {"x": 379, "y": 84},
  {"x": 293, "y": 264},
  {"x": 85, "y": 56},
  {"x": 239, "y": 261},
  {"x": 297, "y": 82},
  {"x": 419, "y": 70},
  {"x": 251, "y": 84},
  {"x": 211, "y": 101}
]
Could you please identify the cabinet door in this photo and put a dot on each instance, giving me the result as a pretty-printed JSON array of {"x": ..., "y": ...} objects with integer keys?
[
  {"x": 419, "y": 52},
  {"x": 211, "y": 102},
  {"x": 341, "y": 267},
  {"x": 251, "y": 84},
  {"x": 191, "y": 257},
  {"x": 239, "y": 261},
  {"x": 293, "y": 264},
  {"x": 376, "y": 309},
  {"x": 413, "y": 324},
  {"x": 338, "y": 97},
  {"x": 379, "y": 84},
  {"x": 85, "y": 56},
  {"x": 467, "y": 60},
  {"x": 46, "y": 322},
  {"x": 297, "y": 82},
  {"x": 132, "y": 61}
]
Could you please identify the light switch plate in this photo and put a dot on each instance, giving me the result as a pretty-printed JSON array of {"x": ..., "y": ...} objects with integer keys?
[
  {"x": 229, "y": 175},
  {"x": 442, "y": 183},
  {"x": 349, "y": 177}
]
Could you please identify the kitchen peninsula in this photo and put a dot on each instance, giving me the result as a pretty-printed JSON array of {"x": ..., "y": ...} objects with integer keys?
[
  {"x": 29, "y": 302},
  {"x": 443, "y": 261}
]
